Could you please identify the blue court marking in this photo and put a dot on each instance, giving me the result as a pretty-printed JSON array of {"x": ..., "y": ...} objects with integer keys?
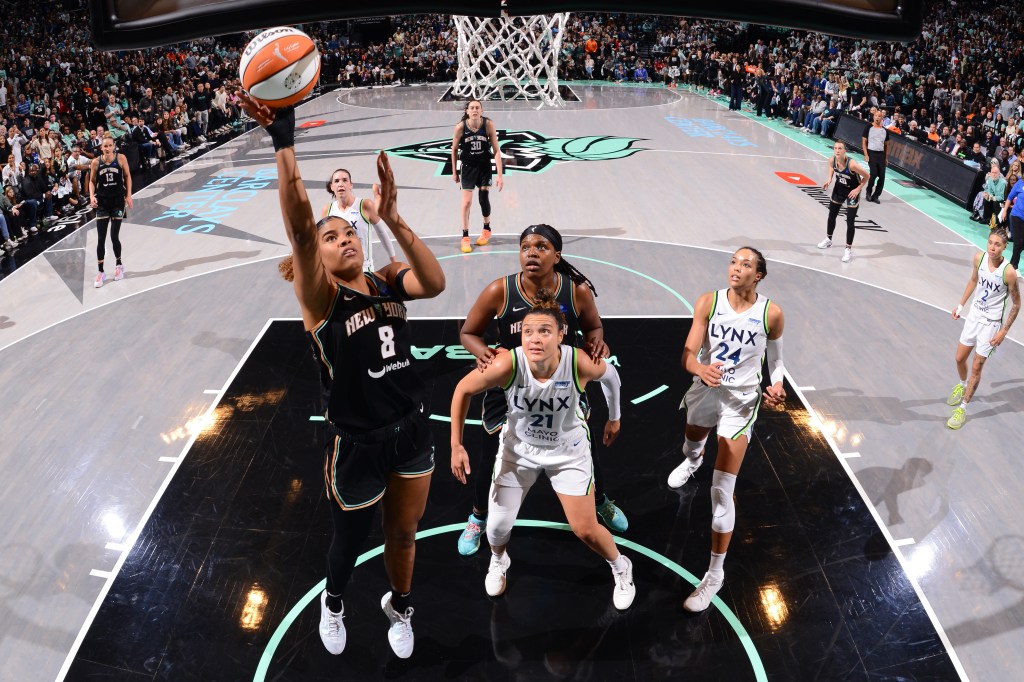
[{"x": 310, "y": 597}]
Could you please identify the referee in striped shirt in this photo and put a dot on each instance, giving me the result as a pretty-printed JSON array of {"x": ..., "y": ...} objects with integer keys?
[{"x": 876, "y": 146}]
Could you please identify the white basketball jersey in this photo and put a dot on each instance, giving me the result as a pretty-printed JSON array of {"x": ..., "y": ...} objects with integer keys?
[
  {"x": 545, "y": 413},
  {"x": 354, "y": 215},
  {"x": 737, "y": 339},
  {"x": 990, "y": 294}
]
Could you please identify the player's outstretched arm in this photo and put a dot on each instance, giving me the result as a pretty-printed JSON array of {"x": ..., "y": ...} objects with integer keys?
[
  {"x": 775, "y": 394},
  {"x": 709, "y": 374},
  {"x": 498, "y": 373},
  {"x": 972, "y": 284},
  {"x": 606, "y": 374},
  {"x": 490, "y": 301},
  {"x": 312, "y": 285},
  {"x": 423, "y": 276}
]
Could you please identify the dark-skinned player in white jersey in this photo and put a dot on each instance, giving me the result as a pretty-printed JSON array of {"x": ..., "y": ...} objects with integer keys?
[
  {"x": 506, "y": 300},
  {"x": 380, "y": 451},
  {"x": 733, "y": 330}
]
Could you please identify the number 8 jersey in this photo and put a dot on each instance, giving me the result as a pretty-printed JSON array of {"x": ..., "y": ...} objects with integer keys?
[
  {"x": 364, "y": 352},
  {"x": 736, "y": 339}
]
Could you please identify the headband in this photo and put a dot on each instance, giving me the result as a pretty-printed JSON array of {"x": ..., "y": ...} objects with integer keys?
[{"x": 546, "y": 231}]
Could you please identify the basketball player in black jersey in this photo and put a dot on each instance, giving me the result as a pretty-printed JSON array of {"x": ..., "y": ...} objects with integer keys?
[
  {"x": 850, "y": 179},
  {"x": 507, "y": 300},
  {"x": 380, "y": 448},
  {"x": 110, "y": 190},
  {"x": 474, "y": 143}
]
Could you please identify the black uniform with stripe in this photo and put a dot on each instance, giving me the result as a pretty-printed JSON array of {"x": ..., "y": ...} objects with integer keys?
[
  {"x": 475, "y": 155},
  {"x": 110, "y": 189},
  {"x": 373, "y": 396},
  {"x": 846, "y": 182},
  {"x": 510, "y": 324}
]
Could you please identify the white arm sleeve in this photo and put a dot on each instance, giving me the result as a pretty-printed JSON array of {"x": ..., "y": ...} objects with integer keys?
[
  {"x": 776, "y": 370},
  {"x": 384, "y": 235},
  {"x": 610, "y": 385}
]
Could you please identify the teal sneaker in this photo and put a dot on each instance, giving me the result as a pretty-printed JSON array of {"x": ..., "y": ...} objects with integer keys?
[
  {"x": 612, "y": 516},
  {"x": 469, "y": 541},
  {"x": 956, "y": 396},
  {"x": 958, "y": 418}
]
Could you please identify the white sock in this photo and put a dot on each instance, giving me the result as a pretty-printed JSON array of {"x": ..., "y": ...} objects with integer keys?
[
  {"x": 717, "y": 563},
  {"x": 693, "y": 448},
  {"x": 963, "y": 382},
  {"x": 619, "y": 564},
  {"x": 963, "y": 406},
  {"x": 497, "y": 556}
]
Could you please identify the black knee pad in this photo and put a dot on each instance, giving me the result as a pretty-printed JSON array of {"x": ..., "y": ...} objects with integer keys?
[{"x": 485, "y": 202}]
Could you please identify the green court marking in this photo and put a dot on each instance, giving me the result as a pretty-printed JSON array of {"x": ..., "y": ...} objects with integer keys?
[
  {"x": 661, "y": 284},
  {"x": 442, "y": 418},
  {"x": 310, "y": 597},
  {"x": 647, "y": 396},
  {"x": 316, "y": 418},
  {"x": 932, "y": 204}
]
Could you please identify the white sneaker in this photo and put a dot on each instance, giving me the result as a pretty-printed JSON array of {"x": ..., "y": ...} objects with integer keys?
[
  {"x": 847, "y": 254},
  {"x": 825, "y": 243},
  {"x": 400, "y": 633},
  {"x": 701, "y": 598},
  {"x": 625, "y": 590},
  {"x": 118, "y": 273},
  {"x": 494, "y": 583},
  {"x": 332, "y": 630},
  {"x": 101, "y": 277},
  {"x": 681, "y": 474}
]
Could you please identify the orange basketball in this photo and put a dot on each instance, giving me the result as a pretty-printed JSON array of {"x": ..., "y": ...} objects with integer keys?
[{"x": 280, "y": 66}]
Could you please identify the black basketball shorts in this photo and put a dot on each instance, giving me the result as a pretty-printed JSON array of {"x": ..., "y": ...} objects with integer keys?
[{"x": 357, "y": 466}]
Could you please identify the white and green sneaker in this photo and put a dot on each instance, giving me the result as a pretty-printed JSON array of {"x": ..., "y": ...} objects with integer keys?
[
  {"x": 956, "y": 396},
  {"x": 958, "y": 418}
]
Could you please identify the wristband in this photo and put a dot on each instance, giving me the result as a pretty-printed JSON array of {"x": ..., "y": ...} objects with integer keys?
[
  {"x": 282, "y": 130},
  {"x": 959, "y": 310}
]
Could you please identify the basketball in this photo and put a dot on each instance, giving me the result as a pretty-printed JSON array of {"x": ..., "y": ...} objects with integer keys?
[{"x": 280, "y": 66}]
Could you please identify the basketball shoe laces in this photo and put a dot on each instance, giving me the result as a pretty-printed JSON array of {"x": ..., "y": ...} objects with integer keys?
[{"x": 471, "y": 531}]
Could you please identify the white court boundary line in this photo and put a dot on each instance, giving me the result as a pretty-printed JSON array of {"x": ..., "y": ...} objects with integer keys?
[
  {"x": 770, "y": 260},
  {"x": 498, "y": 234},
  {"x": 129, "y": 542},
  {"x": 348, "y": 91},
  {"x": 893, "y": 543}
]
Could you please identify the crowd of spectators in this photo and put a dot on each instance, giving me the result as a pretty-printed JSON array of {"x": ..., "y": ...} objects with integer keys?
[
  {"x": 59, "y": 95},
  {"x": 957, "y": 87}
]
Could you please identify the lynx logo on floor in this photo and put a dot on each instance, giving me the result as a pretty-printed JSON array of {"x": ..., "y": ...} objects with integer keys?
[
  {"x": 528, "y": 152},
  {"x": 824, "y": 197},
  {"x": 705, "y": 127}
]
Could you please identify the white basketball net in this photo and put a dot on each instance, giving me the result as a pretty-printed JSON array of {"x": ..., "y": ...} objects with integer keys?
[{"x": 510, "y": 57}]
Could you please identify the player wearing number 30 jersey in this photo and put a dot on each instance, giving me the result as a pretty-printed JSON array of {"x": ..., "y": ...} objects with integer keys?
[{"x": 733, "y": 331}]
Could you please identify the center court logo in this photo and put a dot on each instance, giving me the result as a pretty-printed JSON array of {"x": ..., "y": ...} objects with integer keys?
[
  {"x": 387, "y": 368},
  {"x": 528, "y": 152}
]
